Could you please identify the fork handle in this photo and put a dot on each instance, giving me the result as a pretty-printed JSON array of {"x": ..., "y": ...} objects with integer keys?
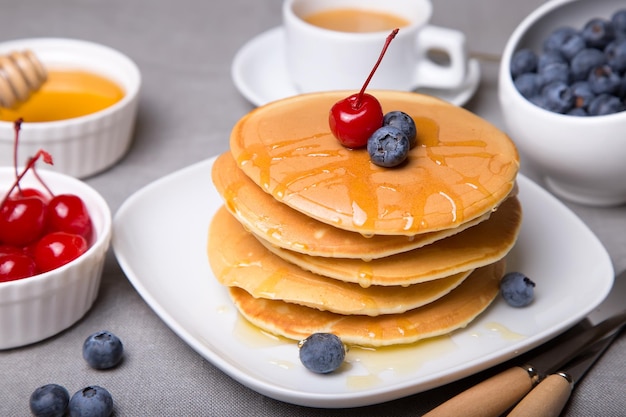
[
  {"x": 546, "y": 400},
  {"x": 490, "y": 398}
]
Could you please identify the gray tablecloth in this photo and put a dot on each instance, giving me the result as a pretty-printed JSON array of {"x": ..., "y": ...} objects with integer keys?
[{"x": 188, "y": 105}]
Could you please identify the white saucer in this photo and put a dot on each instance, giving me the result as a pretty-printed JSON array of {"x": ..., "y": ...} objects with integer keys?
[{"x": 260, "y": 73}]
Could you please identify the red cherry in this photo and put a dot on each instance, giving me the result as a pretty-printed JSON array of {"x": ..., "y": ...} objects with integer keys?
[
  {"x": 30, "y": 192},
  {"x": 10, "y": 250},
  {"x": 68, "y": 213},
  {"x": 16, "y": 266},
  {"x": 353, "y": 124},
  {"x": 58, "y": 248},
  {"x": 354, "y": 119},
  {"x": 22, "y": 220}
]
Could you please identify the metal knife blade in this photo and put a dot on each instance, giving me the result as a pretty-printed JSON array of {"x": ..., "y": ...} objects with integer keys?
[
  {"x": 608, "y": 316},
  {"x": 558, "y": 354},
  {"x": 578, "y": 368},
  {"x": 549, "y": 397},
  {"x": 499, "y": 393}
]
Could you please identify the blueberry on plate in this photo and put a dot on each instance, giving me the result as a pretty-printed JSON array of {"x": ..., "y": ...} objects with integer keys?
[
  {"x": 517, "y": 289},
  {"x": 102, "y": 350},
  {"x": 388, "y": 146},
  {"x": 49, "y": 400},
  {"x": 92, "y": 401},
  {"x": 404, "y": 122},
  {"x": 322, "y": 353}
]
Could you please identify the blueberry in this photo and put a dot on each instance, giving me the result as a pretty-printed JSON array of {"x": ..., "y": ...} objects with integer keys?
[
  {"x": 572, "y": 45},
  {"x": 622, "y": 90},
  {"x": 538, "y": 100},
  {"x": 527, "y": 84},
  {"x": 616, "y": 55},
  {"x": 584, "y": 61},
  {"x": 580, "y": 72},
  {"x": 556, "y": 71},
  {"x": 92, "y": 401},
  {"x": 558, "y": 97},
  {"x": 554, "y": 41},
  {"x": 598, "y": 33},
  {"x": 603, "y": 80},
  {"x": 605, "y": 104},
  {"x": 517, "y": 289},
  {"x": 49, "y": 400},
  {"x": 322, "y": 352},
  {"x": 522, "y": 62},
  {"x": 582, "y": 94},
  {"x": 102, "y": 350},
  {"x": 619, "y": 22},
  {"x": 404, "y": 122},
  {"x": 548, "y": 58},
  {"x": 388, "y": 146},
  {"x": 578, "y": 111}
]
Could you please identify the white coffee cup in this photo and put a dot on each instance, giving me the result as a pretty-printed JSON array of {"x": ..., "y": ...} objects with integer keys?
[{"x": 320, "y": 59}]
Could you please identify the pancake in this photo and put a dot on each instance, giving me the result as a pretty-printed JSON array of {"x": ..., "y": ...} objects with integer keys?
[
  {"x": 477, "y": 246},
  {"x": 290, "y": 229},
  {"x": 460, "y": 170},
  {"x": 239, "y": 260},
  {"x": 443, "y": 316}
]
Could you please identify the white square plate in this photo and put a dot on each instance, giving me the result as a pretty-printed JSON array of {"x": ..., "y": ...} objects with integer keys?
[{"x": 160, "y": 236}]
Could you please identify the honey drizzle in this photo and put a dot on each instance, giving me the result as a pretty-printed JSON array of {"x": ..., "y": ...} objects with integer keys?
[{"x": 299, "y": 169}]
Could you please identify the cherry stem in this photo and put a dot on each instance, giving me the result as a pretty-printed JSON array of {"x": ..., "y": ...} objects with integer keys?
[
  {"x": 41, "y": 181},
  {"x": 390, "y": 37},
  {"x": 17, "y": 125},
  {"x": 47, "y": 158}
]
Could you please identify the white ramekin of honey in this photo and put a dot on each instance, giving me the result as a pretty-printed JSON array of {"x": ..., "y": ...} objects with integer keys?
[{"x": 83, "y": 114}]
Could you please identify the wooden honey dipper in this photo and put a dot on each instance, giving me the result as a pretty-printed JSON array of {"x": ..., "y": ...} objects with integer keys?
[{"x": 21, "y": 74}]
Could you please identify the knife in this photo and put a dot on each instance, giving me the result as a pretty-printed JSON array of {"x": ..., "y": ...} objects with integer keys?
[
  {"x": 496, "y": 395},
  {"x": 549, "y": 397}
]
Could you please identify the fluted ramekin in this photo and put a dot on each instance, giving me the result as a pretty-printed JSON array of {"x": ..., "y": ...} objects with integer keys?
[
  {"x": 86, "y": 145},
  {"x": 35, "y": 308}
]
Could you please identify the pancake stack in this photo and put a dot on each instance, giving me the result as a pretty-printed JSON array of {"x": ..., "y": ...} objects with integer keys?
[{"x": 313, "y": 237}]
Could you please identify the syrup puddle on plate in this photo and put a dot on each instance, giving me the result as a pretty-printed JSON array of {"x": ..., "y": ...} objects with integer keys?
[
  {"x": 495, "y": 329},
  {"x": 400, "y": 360},
  {"x": 365, "y": 367}
]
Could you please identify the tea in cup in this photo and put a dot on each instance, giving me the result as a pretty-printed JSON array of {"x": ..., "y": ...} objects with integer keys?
[{"x": 333, "y": 45}]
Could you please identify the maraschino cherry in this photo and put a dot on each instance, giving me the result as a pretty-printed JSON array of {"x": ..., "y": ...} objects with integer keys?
[
  {"x": 39, "y": 231},
  {"x": 354, "y": 119}
]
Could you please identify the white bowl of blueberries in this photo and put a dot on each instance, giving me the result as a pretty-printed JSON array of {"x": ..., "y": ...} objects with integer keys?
[{"x": 562, "y": 90}]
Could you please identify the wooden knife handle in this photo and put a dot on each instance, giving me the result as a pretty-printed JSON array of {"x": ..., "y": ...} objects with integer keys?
[
  {"x": 546, "y": 400},
  {"x": 490, "y": 398}
]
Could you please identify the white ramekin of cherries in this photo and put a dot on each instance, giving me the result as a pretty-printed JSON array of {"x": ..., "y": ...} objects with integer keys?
[{"x": 55, "y": 231}]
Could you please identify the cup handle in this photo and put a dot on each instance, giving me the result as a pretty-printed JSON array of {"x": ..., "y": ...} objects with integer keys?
[{"x": 431, "y": 74}]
